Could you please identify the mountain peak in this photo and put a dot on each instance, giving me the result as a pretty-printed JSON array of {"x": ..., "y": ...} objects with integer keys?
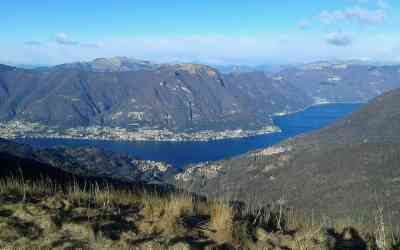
[
  {"x": 112, "y": 64},
  {"x": 193, "y": 68},
  {"x": 119, "y": 64}
]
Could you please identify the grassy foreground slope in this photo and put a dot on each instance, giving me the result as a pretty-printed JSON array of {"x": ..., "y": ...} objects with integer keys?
[
  {"x": 44, "y": 215},
  {"x": 43, "y": 207}
]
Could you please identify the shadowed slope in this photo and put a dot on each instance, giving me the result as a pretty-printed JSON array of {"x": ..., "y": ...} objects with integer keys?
[{"x": 351, "y": 167}]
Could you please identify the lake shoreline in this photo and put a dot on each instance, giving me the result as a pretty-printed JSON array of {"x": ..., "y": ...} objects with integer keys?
[
  {"x": 280, "y": 114},
  {"x": 144, "y": 135},
  {"x": 183, "y": 153},
  {"x": 20, "y": 130}
]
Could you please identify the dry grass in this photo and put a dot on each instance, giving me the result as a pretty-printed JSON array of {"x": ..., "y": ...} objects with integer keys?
[
  {"x": 221, "y": 220},
  {"x": 99, "y": 216},
  {"x": 165, "y": 214},
  {"x": 19, "y": 186}
]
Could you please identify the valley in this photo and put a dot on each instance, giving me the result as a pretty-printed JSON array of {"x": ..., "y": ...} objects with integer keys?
[
  {"x": 132, "y": 100},
  {"x": 237, "y": 126},
  {"x": 182, "y": 153},
  {"x": 200, "y": 125}
]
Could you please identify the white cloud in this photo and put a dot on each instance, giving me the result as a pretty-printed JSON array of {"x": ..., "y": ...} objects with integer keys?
[
  {"x": 338, "y": 39},
  {"x": 355, "y": 14},
  {"x": 63, "y": 39},
  {"x": 382, "y": 4},
  {"x": 216, "y": 49}
]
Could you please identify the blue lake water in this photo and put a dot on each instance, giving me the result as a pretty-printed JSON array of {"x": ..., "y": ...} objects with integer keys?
[{"x": 180, "y": 154}]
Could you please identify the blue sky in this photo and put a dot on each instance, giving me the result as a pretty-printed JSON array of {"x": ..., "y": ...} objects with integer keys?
[{"x": 222, "y": 32}]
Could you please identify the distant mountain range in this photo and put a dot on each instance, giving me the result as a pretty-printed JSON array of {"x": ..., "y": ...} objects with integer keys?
[
  {"x": 123, "y": 92},
  {"x": 266, "y": 68},
  {"x": 351, "y": 167},
  {"x": 342, "y": 82}
]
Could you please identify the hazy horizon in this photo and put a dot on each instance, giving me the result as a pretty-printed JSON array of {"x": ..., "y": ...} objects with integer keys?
[
  {"x": 250, "y": 65},
  {"x": 222, "y": 32}
]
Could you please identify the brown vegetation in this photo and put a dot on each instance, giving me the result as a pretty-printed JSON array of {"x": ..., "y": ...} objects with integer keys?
[{"x": 43, "y": 215}]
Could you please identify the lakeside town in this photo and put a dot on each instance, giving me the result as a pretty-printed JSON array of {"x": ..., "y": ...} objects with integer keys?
[{"x": 20, "y": 129}]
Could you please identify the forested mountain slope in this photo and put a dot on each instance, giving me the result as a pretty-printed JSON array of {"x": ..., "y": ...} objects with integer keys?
[{"x": 349, "y": 167}]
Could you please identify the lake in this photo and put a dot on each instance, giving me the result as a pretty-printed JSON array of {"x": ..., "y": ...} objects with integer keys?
[{"x": 180, "y": 154}]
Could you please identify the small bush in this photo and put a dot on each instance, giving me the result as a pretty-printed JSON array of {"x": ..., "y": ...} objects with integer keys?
[{"x": 221, "y": 220}]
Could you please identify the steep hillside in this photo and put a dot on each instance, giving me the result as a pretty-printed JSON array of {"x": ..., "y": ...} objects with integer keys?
[
  {"x": 350, "y": 167},
  {"x": 92, "y": 162},
  {"x": 178, "y": 97},
  {"x": 128, "y": 93},
  {"x": 378, "y": 122}
]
